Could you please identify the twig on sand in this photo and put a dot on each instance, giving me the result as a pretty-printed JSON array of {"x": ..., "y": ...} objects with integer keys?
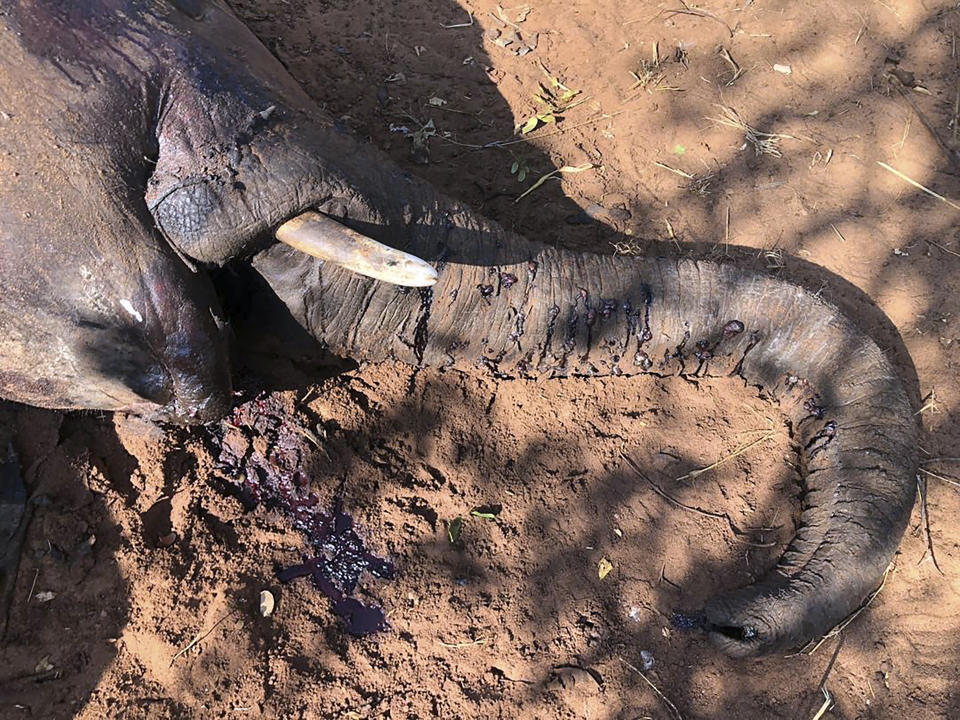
[
  {"x": 952, "y": 155},
  {"x": 925, "y": 522},
  {"x": 945, "y": 249},
  {"x": 737, "y": 70},
  {"x": 664, "y": 578},
  {"x": 201, "y": 636},
  {"x": 675, "y": 171},
  {"x": 566, "y": 169},
  {"x": 33, "y": 585},
  {"x": 662, "y": 493},
  {"x": 917, "y": 185},
  {"x": 666, "y": 701},
  {"x": 696, "y": 12},
  {"x": 822, "y": 687},
  {"x": 700, "y": 511}
]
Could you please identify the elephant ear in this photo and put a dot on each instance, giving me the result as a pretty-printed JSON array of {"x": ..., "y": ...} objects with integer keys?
[
  {"x": 241, "y": 148},
  {"x": 98, "y": 311}
]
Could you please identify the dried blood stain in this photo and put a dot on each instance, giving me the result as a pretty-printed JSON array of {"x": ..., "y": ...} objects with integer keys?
[{"x": 266, "y": 452}]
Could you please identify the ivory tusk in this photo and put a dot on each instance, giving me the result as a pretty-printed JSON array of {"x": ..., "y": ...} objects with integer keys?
[{"x": 326, "y": 239}]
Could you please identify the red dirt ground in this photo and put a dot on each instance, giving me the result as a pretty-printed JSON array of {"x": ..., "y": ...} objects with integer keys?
[{"x": 513, "y": 620}]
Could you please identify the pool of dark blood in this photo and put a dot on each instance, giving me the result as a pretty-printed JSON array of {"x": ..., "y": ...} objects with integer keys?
[{"x": 267, "y": 454}]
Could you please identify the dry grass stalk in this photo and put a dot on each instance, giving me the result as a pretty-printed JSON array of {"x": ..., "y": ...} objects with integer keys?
[
  {"x": 737, "y": 70},
  {"x": 647, "y": 75},
  {"x": 468, "y": 643},
  {"x": 941, "y": 478},
  {"x": 701, "y": 185},
  {"x": 698, "y": 185},
  {"x": 726, "y": 458},
  {"x": 827, "y": 702},
  {"x": 917, "y": 185},
  {"x": 930, "y": 404},
  {"x": 956, "y": 112}
]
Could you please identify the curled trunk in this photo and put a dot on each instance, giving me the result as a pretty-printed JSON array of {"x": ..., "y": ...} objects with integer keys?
[{"x": 518, "y": 309}]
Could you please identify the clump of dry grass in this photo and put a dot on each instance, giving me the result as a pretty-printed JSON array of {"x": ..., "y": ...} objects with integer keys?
[
  {"x": 773, "y": 258},
  {"x": 763, "y": 143},
  {"x": 650, "y": 72},
  {"x": 647, "y": 75},
  {"x": 701, "y": 185},
  {"x": 627, "y": 247}
]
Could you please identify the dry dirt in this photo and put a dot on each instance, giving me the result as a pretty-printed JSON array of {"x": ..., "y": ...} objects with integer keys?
[{"x": 136, "y": 549}]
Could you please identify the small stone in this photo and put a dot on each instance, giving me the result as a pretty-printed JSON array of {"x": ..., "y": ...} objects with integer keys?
[
  {"x": 646, "y": 659},
  {"x": 266, "y": 603}
]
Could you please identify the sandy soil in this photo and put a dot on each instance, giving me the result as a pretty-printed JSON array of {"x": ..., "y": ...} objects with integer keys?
[{"x": 138, "y": 592}]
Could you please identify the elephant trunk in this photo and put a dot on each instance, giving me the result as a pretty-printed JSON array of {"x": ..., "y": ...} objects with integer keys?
[{"x": 521, "y": 310}]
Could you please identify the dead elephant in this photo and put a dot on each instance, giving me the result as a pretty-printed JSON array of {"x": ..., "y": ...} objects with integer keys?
[{"x": 145, "y": 141}]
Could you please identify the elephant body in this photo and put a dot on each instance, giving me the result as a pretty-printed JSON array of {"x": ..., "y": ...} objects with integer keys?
[{"x": 143, "y": 142}]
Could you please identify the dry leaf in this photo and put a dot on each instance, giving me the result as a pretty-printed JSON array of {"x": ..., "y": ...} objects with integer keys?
[{"x": 604, "y": 567}]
